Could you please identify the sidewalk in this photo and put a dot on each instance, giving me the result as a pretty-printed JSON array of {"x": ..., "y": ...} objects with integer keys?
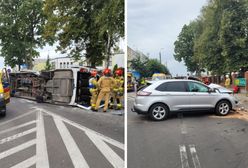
[{"x": 243, "y": 100}]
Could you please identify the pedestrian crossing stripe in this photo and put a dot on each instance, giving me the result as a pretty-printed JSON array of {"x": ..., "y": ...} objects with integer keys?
[
  {"x": 17, "y": 149},
  {"x": 18, "y": 127},
  {"x": 41, "y": 158},
  {"x": 26, "y": 163},
  {"x": 76, "y": 156},
  {"x": 13, "y": 137}
]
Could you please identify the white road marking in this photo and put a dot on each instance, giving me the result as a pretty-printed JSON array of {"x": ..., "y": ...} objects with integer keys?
[
  {"x": 18, "y": 126},
  {"x": 26, "y": 163},
  {"x": 184, "y": 157},
  {"x": 85, "y": 129},
  {"x": 41, "y": 147},
  {"x": 183, "y": 128},
  {"x": 18, "y": 117},
  {"x": 71, "y": 146},
  {"x": 13, "y": 137},
  {"x": 17, "y": 149},
  {"x": 28, "y": 101},
  {"x": 182, "y": 125},
  {"x": 109, "y": 154},
  {"x": 194, "y": 156},
  {"x": 87, "y": 108}
]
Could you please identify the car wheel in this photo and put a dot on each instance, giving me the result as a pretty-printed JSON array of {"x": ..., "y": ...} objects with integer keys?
[
  {"x": 159, "y": 112},
  {"x": 3, "y": 114},
  {"x": 223, "y": 108}
]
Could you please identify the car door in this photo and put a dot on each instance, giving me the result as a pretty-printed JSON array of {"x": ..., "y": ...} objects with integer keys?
[
  {"x": 174, "y": 94},
  {"x": 200, "y": 97}
]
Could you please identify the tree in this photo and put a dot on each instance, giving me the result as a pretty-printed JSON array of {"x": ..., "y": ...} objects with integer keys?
[
  {"x": 154, "y": 66},
  {"x": 84, "y": 28},
  {"x": 184, "y": 47},
  {"x": 48, "y": 65},
  {"x": 208, "y": 46},
  {"x": 220, "y": 42},
  {"x": 21, "y": 27},
  {"x": 111, "y": 20},
  {"x": 147, "y": 67},
  {"x": 139, "y": 64},
  {"x": 234, "y": 34}
]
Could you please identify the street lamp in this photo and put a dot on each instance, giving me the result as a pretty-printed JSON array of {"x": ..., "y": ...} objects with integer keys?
[{"x": 160, "y": 55}]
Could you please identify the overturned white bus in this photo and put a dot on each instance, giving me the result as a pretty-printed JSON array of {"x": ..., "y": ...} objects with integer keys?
[{"x": 61, "y": 86}]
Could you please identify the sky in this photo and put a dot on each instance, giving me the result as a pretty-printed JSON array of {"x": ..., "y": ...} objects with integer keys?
[{"x": 153, "y": 27}]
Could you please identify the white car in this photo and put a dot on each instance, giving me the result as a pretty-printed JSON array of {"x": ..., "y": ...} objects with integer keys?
[{"x": 163, "y": 97}]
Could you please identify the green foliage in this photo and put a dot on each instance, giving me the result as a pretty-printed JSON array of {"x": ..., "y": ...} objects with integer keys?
[
  {"x": 219, "y": 42},
  {"x": 87, "y": 28},
  {"x": 48, "y": 64},
  {"x": 184, "y": 47},
  {"x": 138, "y": 64},
  {"x": 21, "y": 26},
  {"x": 147, "y": 67},
  {"x": 208, "y": 45},
  {"x": 111, "y": 21},
  {"x": 115, "y": 68},
  {"x": 233, "y": 34}
]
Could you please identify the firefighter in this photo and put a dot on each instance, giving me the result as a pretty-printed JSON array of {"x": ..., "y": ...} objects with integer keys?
[
  {"x": 118, "y": 91},
  {"x": 105, "y": 85},
  {"x": 93, "y": 89},
  {"x": 143, "y": 82},
  {"x": 227, "y": 81}
]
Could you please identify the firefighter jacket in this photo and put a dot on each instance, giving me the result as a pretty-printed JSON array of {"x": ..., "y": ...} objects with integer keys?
[
  {"x": 106, "y": 84},
  {"x": 119, "y": 85}
]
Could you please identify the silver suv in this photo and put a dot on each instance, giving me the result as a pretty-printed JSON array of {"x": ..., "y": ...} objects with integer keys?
[{"x": 167, "y": 96}]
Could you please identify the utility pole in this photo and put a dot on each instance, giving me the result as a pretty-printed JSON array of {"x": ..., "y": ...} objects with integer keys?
[
  {"x": 108, "y": 50},
  {"x": 160, "y": 57}
]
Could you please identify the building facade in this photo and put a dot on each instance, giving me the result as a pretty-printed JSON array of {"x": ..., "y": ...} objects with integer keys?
[
  {"x": 66, "y": 62},
  {"x": 131, "y": 54}
]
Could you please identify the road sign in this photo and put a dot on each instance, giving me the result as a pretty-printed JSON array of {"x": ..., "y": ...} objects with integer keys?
[{"x": 240, "y": 82}]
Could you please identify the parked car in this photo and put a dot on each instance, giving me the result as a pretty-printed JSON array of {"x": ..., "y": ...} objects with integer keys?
[
  {"x": 130, "y": 82},
  {"x": 163, "y": 97},
  {"x": 160, "y": 76},
  {"x": 4, "y": 91}
]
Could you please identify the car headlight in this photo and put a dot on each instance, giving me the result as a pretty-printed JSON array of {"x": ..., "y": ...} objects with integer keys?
[{"x": 1, "y": 95}]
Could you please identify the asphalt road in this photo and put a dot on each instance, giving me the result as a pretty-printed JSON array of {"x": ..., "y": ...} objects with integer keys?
[
  {"x": 199, "y": 140},
  {"x": 45, "y": 135}
]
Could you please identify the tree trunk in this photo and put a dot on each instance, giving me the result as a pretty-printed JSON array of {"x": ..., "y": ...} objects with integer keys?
[{"x": 108, "y": 51}]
